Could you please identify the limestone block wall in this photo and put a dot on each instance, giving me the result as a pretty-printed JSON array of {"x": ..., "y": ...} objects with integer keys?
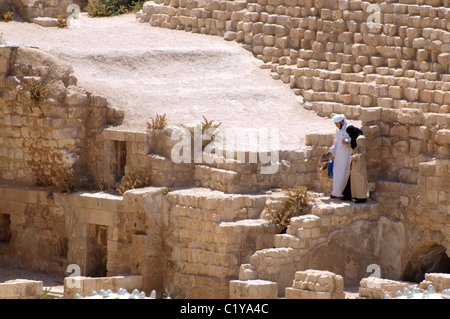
[
  {"x": 208, "y": 235},
  {"x": 399, "y": 140},
  {"x": 124, "y": 153},
  {"x": 149, "y": 155},
  {"x": 377, "y": 288},
  {"x": 188, "y": 241},
  {"x": 50, "y": 134},
  {"x": 325, "y": 239},
  {"x": 330, "y": 52},
  {"x": 391, "y": 75},
  {"x": 33, "y": 234},
  {"x": 145, "y": 154},
  {"x": 406, "y": 221}
]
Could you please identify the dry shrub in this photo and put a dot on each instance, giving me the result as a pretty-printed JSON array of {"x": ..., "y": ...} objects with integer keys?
[
  {"x": 106, "y": 8},
  {"x": 294, "y": 205},
  {"x": 158, "y": 123},
  {"x": 38, "y": 90},
  {"x": 134, "y": 181},
  {"x": 8, "y": 16},
  {"x": 62, "y": 21},
  {"x": 209, "y": 128}
]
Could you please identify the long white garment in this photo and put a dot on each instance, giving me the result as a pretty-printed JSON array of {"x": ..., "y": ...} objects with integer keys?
[{"x": 341, "y": 164}]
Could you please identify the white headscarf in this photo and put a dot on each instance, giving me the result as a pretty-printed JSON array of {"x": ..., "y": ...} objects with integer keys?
[{"x": 338, "y": 117}]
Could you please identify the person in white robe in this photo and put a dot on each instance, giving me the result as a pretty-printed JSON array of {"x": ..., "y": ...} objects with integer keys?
[{"x": 341, "y": 152}]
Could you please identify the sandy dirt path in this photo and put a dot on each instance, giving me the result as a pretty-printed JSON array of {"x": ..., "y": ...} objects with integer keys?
[{"x": 146, "y": 70}]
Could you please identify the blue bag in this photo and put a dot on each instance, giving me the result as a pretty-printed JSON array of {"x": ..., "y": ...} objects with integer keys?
[{"x": 330, "y": 169}]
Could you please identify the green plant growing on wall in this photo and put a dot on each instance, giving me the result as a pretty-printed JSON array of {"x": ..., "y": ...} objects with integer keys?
[
  {"x": 38, "y": 91},
  {"x": 158, "y": 123},
  {"x": 69, "y": 184},
  {"x": 294, "y": 205},
  {"x": 98, "y": 9},
  {"x": 46, "y": 294},
  {"x": 135, "y": 6},
  {"x": 209, "y": 128},
  {"x": 106, "y": 8},
  {"x": 8, "y": 16},
  {"x": 62, "y": 21},
  {"x": 133, "y": 181}
]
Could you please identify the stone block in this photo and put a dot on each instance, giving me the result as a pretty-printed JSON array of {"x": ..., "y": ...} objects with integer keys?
[
  {"x": 410, "y": 116},
  {"x": 316, "y": 284},
  {"x": 370, "y": 114},
  {"x": 21, "y": 289},
  {"x": 443, "y": 137},
  {"x": 45, "y": 21},
  {"x": 396, "y": 92},
  {"x": 376, "y": 288},
  {"x": 440, "y": 281},
  {"x": 253, "y": 289}
]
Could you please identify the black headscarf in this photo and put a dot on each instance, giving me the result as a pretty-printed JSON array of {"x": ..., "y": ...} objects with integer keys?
[{"x": 353, "y": 132}]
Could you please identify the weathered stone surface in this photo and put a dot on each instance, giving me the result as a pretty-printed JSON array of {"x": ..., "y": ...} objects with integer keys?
[
  {"x": 316, "y": 284},
  {"x": 253, "y": 289},
  {"x": 377, "y": 288},
  {"x": 21, "y": 289}
]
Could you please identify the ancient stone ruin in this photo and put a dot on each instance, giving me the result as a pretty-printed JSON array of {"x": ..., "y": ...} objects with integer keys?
[{"x": 200, "y": 230}]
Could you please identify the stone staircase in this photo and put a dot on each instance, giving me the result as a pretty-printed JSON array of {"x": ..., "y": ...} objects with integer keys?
[
  {"x": 213, "y": 233},
  {"x": 231, "y": 201},
  {"x": 295, "y": 249},
  {"x": 341, "y": 56},
  {"x": 216, "y": 212}
]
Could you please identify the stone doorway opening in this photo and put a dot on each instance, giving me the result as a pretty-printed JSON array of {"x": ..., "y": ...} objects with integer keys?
[
  {"x": 96, "y": 251},
  {"x": 429, "y": 259},
  {"x": 5, "y": 229},
  {"x": 120, "y": 148}
]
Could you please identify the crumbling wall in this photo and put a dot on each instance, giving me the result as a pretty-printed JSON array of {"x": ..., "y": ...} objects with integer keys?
[
  {"x": 49, "y": 126},
  {"x": 207, "y": 236},
  {"x": 190, "y": 242},
  {"x": 38, "y": 238}
]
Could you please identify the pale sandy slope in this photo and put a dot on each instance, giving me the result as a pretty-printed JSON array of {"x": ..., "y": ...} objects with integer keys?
[{"x": 146, "y": 70}]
